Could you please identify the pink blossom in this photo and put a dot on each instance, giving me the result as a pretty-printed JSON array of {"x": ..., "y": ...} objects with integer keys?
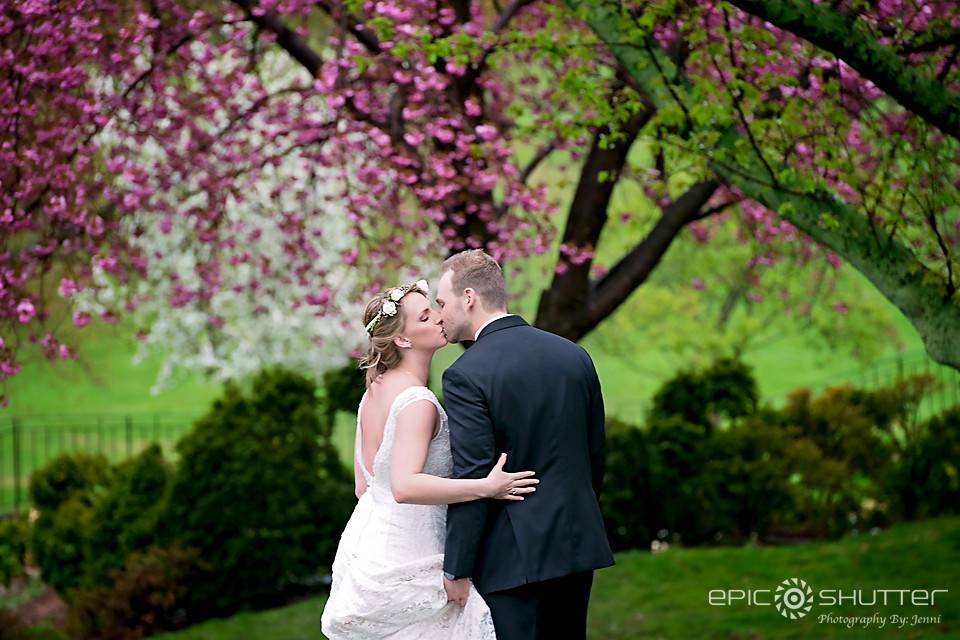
[
  {"x": 25, "y": 311},
  {"x": 95, "y": 226},
  {"x": 455, "y": 69},
  {"x": 486, "y": 132},
  {"x": 319, "y": 298},
  {"x": 68, "y": 287}
]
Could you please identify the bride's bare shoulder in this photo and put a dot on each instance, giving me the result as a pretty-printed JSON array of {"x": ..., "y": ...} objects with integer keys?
[{"x": 385, "y": 389}]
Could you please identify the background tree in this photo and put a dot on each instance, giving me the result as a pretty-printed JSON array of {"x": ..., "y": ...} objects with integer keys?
[
  {"x": 802, "y": 134},
  {"x": 433, "y": 124}
]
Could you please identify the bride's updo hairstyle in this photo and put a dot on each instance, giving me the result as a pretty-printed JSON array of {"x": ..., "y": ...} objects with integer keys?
[{"x": 383, "y": 327}]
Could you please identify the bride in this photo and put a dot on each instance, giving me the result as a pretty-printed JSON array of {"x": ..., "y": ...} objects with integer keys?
[{"x": 388, "y": 569}]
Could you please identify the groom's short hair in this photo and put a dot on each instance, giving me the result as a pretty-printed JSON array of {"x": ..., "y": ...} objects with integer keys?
[{"x": 476, "y": 270}]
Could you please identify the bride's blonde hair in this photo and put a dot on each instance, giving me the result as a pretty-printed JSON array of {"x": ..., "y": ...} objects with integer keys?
[{"x": 382, "y": 352}]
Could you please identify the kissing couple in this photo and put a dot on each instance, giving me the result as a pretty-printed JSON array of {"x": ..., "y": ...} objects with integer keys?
[{"x": 445, "y": 542}]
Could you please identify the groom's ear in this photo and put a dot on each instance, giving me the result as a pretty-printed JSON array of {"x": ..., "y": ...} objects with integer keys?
[{"x": 470, "y": 297}]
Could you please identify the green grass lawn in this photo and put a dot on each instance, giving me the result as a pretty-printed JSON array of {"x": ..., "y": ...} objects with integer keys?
[{"x": 664, "y": 595}]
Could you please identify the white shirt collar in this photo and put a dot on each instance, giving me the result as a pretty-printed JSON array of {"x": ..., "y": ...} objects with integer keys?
[{"x": 502, "y": 315}]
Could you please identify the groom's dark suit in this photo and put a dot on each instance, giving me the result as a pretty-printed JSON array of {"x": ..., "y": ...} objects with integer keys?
[{"x": 535, "y": 396}]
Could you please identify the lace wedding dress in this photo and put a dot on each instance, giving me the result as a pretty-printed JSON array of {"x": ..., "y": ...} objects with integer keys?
[{"x": 388, "y": 569}]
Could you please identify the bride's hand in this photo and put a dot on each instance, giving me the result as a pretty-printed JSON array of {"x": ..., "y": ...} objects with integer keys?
[{"x": 503, "y": 485}]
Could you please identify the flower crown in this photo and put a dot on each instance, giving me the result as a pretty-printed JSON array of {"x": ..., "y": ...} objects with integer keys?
[{"x": 390, "y": 302}]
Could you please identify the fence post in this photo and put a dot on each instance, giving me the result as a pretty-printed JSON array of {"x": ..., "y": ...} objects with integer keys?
[
  {"x": 16, "y": 463},
  {"x": 128, "y": 422}
]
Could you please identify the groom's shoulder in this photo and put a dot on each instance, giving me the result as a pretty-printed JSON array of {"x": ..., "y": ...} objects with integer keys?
[
  {"x": 554, "y": 341},
  {"x": 562, "y": 350}
]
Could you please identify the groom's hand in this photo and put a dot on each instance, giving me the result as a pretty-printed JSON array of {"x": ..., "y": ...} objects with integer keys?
[{"x": 457, "y": 590}]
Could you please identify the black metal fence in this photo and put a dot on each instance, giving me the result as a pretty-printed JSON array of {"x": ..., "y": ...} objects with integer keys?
[{"x": 29, "y": 442}]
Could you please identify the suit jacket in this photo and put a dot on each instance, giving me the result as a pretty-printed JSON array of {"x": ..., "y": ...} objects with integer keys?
[{"x": 535, "y": 396}]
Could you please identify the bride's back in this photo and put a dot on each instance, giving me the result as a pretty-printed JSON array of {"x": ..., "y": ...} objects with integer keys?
[
  {"x": 398, "y": 530},
  {"x": 373, "y": 415},
  {"x": 376, "y": 418}
]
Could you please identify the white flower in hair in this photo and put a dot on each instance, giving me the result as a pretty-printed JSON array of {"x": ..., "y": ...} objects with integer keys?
[
  {"x": 396, "y": 294},
  {"x": 423, "y": 286},
  {"x": 389, "y": 308}
]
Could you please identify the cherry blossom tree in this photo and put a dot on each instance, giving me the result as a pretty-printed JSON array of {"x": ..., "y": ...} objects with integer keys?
[
  {"x": 129, "y": 124},
  {"x": 865, "y": 164}
]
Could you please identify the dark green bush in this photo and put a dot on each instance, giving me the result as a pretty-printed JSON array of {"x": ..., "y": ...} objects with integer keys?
[
  {"x": 724, "y": 391},
  {"x": 65, "y": 476},
  {"x": 61, "y": 543},
  {"x": 744, "y": 486},
  {"x": 627, "y": 504},
  {"x": 650, "y": 486},
  {"x": 844, "y": 423},
  {"x": 926, "y": 480},
  {"x": 107, "y": 512},
  {"x": 678, "y": 450},
  {"x": 342, "y": 390},
  {"x": 64, "y": 492},
  {"x": 941, "y": 443},
  {"x": 711, "y": 465},
  {"x": 126, "y": 515},
  {"x": 147, "y": 595},
  {"x": 260, "y": 492},
  {"x": 14, "y": 542}
]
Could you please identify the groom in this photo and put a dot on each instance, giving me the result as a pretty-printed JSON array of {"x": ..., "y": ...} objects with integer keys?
[{"x": 535, "y": 396}]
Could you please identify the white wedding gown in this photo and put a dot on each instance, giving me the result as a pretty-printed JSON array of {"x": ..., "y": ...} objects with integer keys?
[{"x": 388, "y": 569}]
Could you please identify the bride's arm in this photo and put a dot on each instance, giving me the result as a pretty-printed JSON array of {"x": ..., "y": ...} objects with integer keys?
[{"x": 414, "y": 430}]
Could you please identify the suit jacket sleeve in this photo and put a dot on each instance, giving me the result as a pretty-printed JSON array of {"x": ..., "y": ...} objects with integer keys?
[
  {"x": 597, "y": 434},
  {"x": 474, "y": 455}
]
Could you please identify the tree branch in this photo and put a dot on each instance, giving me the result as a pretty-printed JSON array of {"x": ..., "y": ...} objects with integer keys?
[
  {"x": 706, "y": 213},
  {"x": 541, "y": 155},
  {"x": 354, "y": 26},
  {"x": 502, "y": 20},
  {"x": 287, "y": 38},
  {"x": 879, "y": 63},
  {"x": 924, "y": 43},
  {"x": 637, "y": 265},
  {"x": 561, "y": 306}
]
